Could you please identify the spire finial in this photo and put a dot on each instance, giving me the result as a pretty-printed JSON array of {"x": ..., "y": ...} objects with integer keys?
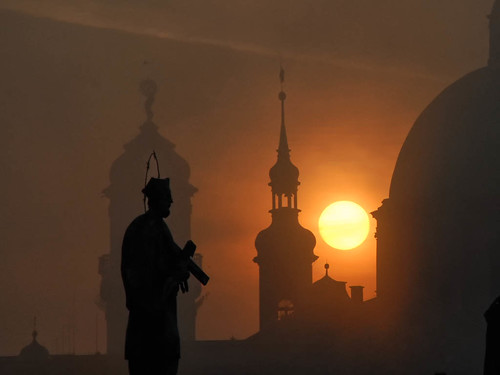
[{"x": 148, "y": 88}]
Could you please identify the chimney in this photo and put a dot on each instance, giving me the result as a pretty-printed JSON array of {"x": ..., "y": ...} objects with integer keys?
[{"x": 357, "y": 294}]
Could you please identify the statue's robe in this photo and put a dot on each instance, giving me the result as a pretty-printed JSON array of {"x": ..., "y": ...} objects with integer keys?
[
  {"x": 492, "y": 358},
  {"x": 148, "y": 264}
]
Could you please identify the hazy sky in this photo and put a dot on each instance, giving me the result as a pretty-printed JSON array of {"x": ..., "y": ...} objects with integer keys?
[{"x": 358, "y": 73}]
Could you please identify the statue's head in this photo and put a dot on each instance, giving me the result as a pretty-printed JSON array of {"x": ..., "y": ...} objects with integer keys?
[{"x": 159, "y": 195}]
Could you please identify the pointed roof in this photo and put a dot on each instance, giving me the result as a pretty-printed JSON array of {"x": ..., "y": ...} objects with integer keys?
[
  {"x": 284, "y": 175},
  {"x": 283, "y": 150},
  {"x": 330, "y": 287}
]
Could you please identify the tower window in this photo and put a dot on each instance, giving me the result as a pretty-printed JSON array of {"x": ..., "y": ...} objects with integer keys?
[{"x": 285, "y": 309}]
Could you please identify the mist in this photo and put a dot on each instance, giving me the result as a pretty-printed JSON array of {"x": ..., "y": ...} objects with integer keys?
[{"x": 357, "y": 75}]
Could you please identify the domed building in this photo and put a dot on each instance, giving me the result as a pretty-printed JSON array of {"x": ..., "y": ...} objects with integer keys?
[
  {"x": 34, "y": 351},
  {"x": 438, "y": 233},
  {"x": 328, "y": 304}
]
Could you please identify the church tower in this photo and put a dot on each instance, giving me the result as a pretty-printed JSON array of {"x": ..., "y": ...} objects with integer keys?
[
  {"x": 127, "y": 178},
  {"x": 285, "y": 249}
]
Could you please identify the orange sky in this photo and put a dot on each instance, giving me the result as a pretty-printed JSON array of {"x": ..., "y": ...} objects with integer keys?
[{"x": 357, "y": 76}]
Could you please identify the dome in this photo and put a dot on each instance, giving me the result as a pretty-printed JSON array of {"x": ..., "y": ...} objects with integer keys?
[
  {"x": 131, "y": 165},
  {"x": 284, "y": 176},
  {"x": 452, "y": 151},
  {"x": 326, "y": 287},
  {"x": 287, "y": 234},
  {"x": 437, "y": 234},
  {"x": 34, "y": 351}
]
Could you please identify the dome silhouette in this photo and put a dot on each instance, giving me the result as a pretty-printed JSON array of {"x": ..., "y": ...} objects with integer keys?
[
  {"x": 438, "y": 232},
  {"x": 34, "y": 351},
  {"x": 451, "y": 153}
]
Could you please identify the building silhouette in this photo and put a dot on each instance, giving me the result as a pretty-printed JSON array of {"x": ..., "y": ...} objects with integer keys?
[
  {"x": 284, "y": 249},
  {"x": 35, "y": 359},
  {"x": 301, "y": 322},
  {"x": 438, "y": 231},
  {"x": 127, "y": 178},
  {"x": 437, "y": 256},
  {"x": 327, "y": 299},
  {"x": 292, "y": 308},
  {"x": 34, "y": 351}
]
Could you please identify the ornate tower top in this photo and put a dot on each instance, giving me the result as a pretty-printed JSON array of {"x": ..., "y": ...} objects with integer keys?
[
  {"x": 285, "y": 250},
  {"x": 494, "y": 17},
  {"x": 284, "y": 175}
]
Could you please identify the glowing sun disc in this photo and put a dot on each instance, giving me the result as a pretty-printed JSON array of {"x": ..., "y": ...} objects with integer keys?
[{"x": 344, "y": 225}]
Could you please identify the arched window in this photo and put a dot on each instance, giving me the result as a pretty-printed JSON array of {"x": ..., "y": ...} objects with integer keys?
[{"x": 285, "y": 309}]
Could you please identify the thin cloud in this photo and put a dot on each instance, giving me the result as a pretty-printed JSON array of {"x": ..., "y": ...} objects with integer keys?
[{"x": 90, "y": 17}]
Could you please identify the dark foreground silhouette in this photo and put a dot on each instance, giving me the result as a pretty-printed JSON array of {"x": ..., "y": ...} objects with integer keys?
[
  {"x": 492, "y": 359},
  {"x": 153, "y": 269}
]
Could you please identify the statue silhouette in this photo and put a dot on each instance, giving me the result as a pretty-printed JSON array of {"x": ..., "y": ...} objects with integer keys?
[
  {"x": 152, "y": 272},
  {"x": 492, "y": 358}
]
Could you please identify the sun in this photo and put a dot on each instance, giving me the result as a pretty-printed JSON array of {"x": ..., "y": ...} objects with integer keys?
[{"x": 344, "y": 225}]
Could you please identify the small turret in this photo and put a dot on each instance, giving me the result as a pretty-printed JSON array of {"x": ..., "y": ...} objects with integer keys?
[{"x": 34, "y": 351}]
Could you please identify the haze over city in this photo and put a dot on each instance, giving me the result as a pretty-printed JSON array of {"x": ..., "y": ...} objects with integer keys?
[{"x": 357, "y": 76}]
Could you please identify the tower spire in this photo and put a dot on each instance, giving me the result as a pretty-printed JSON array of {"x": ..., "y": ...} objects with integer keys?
[
  {"x": 285, "y": 238},
  {"x": 283, "y": 150},
  {"x": 284, "y": 175}
]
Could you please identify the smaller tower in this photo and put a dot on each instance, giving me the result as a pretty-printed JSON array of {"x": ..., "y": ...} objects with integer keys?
[
  {"x": 285, "y": 249},
  {"x": 327, "y": 302},
  {"x": 34, "y": 351},
  {"x": 329, "y": 291}
]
